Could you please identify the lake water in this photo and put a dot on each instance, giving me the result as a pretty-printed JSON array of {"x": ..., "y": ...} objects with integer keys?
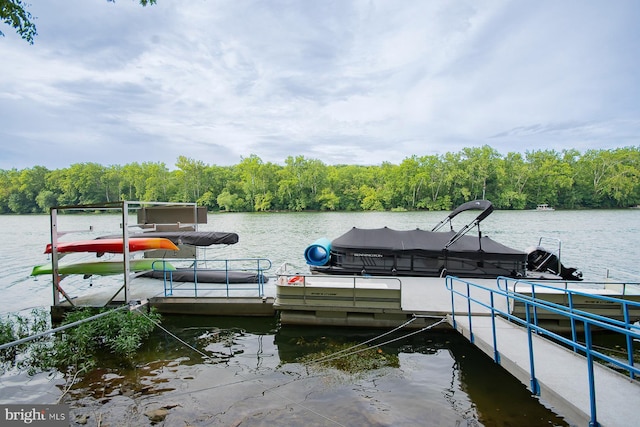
[{"x": 255, "y": 378}]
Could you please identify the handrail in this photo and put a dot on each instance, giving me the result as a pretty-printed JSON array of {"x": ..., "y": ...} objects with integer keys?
[
  {"x": 257, "y": 265},
  {"x": 558, "y": 253},
  {"x": 300, "y": 279},
  {"x": 625, "y": 306},
  {"x": 589, "y": 320}
]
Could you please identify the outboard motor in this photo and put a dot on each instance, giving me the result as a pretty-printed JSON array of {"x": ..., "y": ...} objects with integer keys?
[{"x": 543, "y": 261}]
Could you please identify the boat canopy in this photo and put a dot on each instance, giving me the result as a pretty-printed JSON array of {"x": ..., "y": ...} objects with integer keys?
[{"x": 421, "y": 242}]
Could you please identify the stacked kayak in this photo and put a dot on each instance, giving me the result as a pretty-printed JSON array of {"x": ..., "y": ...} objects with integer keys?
[
  {"x": 114, "y": 245},
  {"x": 110, "y": 245},
  {"x": 104, "y": 268}
]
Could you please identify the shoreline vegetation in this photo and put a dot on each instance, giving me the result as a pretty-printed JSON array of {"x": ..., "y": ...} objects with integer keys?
[{"x": 564, "y": 179}]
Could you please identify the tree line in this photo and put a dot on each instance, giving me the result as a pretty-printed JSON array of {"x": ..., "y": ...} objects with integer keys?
[{"x": 563, "y": 179}]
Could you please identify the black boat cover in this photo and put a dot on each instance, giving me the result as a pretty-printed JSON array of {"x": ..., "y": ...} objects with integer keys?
[
  {"x": 421, "y": 242},
  {"x": 195, "y": 238},
  {"x": 207, "y": 276}
]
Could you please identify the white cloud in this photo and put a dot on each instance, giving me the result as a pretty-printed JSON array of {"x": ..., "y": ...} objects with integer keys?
[{"x": 341, "y": 81}]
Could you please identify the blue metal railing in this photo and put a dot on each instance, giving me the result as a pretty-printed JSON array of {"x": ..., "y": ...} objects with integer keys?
[
  {"x": 625, "y": 306},
  {"x": 531, "y": 304},
  {"x": 227, "y": 267}
]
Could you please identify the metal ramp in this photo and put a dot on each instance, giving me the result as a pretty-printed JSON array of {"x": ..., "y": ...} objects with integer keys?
[
  {"x": 561, "y": 373},
  {"x": 565, "y": 372}
]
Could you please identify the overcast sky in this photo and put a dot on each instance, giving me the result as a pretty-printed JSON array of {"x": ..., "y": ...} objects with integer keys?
[{"x": 356, "y": 82}]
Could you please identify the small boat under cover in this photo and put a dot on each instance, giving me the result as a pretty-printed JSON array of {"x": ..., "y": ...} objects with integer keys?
[{"x": 203, "y": 275}]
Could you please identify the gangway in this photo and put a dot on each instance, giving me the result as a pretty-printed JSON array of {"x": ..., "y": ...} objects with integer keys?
[{"x": 561, "y": 371}]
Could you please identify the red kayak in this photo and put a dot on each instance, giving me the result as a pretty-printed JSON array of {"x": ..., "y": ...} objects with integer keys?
[{"x": 114, "y": 245}]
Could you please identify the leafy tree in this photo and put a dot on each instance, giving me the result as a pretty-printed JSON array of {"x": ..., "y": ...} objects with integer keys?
[
  {"x": 343, "y": 181},
  {"x": 515, "y": 173},
  {"x": 371, "y": 200},
  {"x": 25, "y": 188},
  {"x": 258, "y": 182},
  {"x": 479, "y": 164},
  {"x": 46, "y": 199},
  {"x": 157, "y": 182},
  {"x": 598, "y": 178},
  {"x": 15, "y": 14},
  {"x": 299, "y": 182},
  {"x": 230, "y": 202},
  {"x": 189, "y": 175},
  {"x": 549, "y": 176}
]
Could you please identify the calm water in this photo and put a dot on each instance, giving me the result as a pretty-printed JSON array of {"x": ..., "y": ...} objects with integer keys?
[{"x": 255, "y": 380}]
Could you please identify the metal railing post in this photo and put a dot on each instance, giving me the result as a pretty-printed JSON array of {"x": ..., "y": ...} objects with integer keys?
[
  {"x": 627, "y": 321},
  {"x": 535, "y": 387},
  {"x": 592, "y": 387},
  {"x": 496, "y": 353},
  {"x": 471, "y": 337},
  {"x": 574, "y": 335}
]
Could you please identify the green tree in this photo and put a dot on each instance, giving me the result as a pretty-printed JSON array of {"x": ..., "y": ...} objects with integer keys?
[
  {"x": 371, "y": 200},
  {"x": 30, "y": 183},
  {"x": 15, "y": 14},
  {"x": 217, "y": 178},
  {"x": 479, "y": 164},
  {"x": 549, "y": 176},
  {"x": 157, "y": 182},
  {"x": 189, "y": 176},
  {"x": 514, "y": 175},
  {"x": 229, "y": 202},
  {"x": 46, "y": 199},
  {"x": 258, "y": 182},
  {"x": 300, "y": 182}
]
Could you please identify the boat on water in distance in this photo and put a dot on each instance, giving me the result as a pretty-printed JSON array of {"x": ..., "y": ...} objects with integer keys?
[
  {"x": 385, "y": 251},
  {"x": 544, "y": 207},
  {"x": 113, "y": 245}
]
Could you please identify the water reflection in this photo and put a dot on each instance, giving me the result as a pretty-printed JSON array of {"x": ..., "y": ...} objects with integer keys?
[{"x": 252, "y": 376}]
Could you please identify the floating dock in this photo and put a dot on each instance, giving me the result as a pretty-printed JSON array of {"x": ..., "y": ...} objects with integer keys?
[{"x": 561, "y": 373}]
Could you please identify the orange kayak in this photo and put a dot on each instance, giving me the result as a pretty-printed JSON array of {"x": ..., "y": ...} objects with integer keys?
[{"x": 114, "y": 245}]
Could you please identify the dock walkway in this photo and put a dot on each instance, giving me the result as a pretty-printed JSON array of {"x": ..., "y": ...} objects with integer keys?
[{"x": 562, "y": 374}]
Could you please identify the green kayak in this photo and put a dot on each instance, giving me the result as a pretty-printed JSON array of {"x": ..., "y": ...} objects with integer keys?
[{"x": 104, "y": 268}]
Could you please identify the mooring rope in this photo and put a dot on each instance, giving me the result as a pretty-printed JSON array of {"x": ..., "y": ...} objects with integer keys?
[
  {"x": 336, "y": 355},
  {"x": 186, "y": 344},
  {"x": 61, "y": 328},
  {"x": 341, "y": 353},
  {"x": 245, "y": 378},
  {"x": 321, "y": 359}
]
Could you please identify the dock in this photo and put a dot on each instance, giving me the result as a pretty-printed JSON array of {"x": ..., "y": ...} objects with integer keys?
[
  {"x": 561, "y": 377},
  {"x": 561, "y": 373},
  {"x": 492, "y": 314}
]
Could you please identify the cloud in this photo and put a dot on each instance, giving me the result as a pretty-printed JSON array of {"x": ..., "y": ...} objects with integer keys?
[{"x": 357, "y": 82}]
